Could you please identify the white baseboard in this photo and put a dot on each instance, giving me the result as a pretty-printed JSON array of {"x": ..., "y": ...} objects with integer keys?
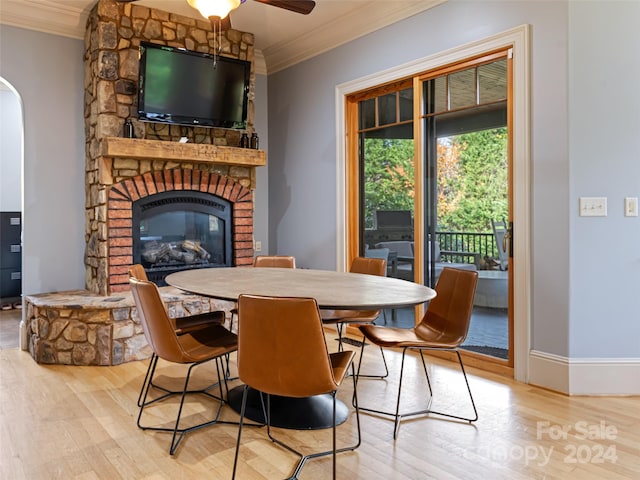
[
  {"x": 585, "y": 376},
  {"x": 549, "y": 371}
]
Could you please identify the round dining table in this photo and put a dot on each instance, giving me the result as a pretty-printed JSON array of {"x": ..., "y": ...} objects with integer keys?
[{"x": 331, "y": 290}]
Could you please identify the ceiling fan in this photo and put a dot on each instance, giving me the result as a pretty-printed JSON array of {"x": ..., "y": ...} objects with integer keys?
[{"x": 218, "y": 10}]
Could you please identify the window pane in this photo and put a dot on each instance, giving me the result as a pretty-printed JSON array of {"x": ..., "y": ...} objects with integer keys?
[
  {"x": 387, "y": 167},
  {"x": 492, "y": 79},
  {"x": 406, "y": 104},
  {"x": 368, "y": 113},
  {"x": 435, "y": 94},
  {"x": 462, "y": 86},
  {"x": 163, "y": 237},
  {"x": 387, "y": 109}
]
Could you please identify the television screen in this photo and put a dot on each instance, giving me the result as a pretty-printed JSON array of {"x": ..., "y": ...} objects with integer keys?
[{"x": 191, "y": 88}]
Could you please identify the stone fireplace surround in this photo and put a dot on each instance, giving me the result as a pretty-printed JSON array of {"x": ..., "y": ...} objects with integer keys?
[
  {"x": 100, "y": 325},
  {"x": 88, "y": 328},
  {"x": 119, "y": 170}
]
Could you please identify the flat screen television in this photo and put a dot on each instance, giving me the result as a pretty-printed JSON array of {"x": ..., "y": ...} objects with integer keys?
[{"x": 191, "y": 88}]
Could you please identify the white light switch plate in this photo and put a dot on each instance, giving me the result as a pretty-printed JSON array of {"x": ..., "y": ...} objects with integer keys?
[
  {"x": 593, "y": 206},
  {"x": 631, "y": 206}
]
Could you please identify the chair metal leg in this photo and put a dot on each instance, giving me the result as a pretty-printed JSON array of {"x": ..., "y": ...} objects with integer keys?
[
  {"x": 333, "y": 436},
  {"x": 384, "y": 360},
  {"x": 426, "y": 372},
  {"x": 151, "y": 366},
  {"x": 473, "y": 404},
  {"x": 339, "y": 328},
  {"x": 179, "y": 433},
  {"x": 222, "y": 372},
  {"x": 397, "y": 416},
  {"x": 148, "y": 384},
  {"x": 357, "y": 375},
  {"x": 228, "y": 369},
  {"x": 303, "y": 458},
  {"x": 245, "y": 389},
  {"x": 176, "y": 441}
]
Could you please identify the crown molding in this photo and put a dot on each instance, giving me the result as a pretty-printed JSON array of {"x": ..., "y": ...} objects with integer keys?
[
  {"x": 340, "y": 31},
  {"x": 259, "y": 63},
  {"x": 45, "y": 16},
  {"x": 69, "y": 19}
]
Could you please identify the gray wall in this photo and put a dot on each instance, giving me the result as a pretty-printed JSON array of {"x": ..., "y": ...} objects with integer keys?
[
  {"x": 577, "y": 265},
  {"x": 604, "y": 128},
  {"x": 47, "y": 72},
  {"x": 261, "y": 212}
]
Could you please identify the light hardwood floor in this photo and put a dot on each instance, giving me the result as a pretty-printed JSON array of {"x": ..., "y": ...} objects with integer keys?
[
  {"x": 80, "y": 423},
  {"x": 9, "y": 327}
]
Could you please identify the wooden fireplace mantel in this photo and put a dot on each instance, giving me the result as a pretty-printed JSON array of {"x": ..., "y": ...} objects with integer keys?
[{"x": 135, "y": 148}]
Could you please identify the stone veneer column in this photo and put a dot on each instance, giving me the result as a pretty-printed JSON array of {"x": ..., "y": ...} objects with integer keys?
[{"x": 113, "y": 35}]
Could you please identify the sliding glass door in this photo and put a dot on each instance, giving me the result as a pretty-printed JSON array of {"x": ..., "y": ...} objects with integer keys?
[
  {"x": 431, "y": 172},
  {"x": 466, "y": 143}
]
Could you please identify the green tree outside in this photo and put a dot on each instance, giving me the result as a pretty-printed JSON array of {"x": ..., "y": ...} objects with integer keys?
[
  {"x": 388, "y": 176},
  {"x": 472, "y": 179},
  {"x": 472, "y": 189}
]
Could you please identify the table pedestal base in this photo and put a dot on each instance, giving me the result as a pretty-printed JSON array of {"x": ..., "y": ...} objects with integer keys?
[{"x": 309, "y": 413}]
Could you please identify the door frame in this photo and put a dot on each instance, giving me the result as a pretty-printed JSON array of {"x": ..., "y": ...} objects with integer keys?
[{"x": 518, "y": 39}]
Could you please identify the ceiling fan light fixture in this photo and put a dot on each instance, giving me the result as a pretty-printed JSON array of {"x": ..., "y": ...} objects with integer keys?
[{"x": 214, "y": 8}]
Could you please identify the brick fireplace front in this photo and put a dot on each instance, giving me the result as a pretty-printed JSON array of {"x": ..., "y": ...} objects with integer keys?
[
  {"x": 132, "y": 169},
  {"x": 123, "y": 195}
]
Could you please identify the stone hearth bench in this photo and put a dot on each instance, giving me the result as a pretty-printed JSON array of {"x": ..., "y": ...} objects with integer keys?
[{"x": 80, "y": 328}]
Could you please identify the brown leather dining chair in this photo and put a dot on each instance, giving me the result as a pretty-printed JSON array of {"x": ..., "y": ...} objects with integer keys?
[
  {"x": 340, "y": 318},
  {"x": 181, "y": 325},
  {"x": 189, "y": 322},
  {"x": 268, "y": 261},
  {"x": 278, "y": 261},
  {"x": 195, "y": 347},
  {"x": 282, "y": 351},
  {"x": 444, "y": 327}
]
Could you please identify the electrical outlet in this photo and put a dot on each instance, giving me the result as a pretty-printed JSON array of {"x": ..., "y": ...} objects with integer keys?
[
  {"x": 258, "y": 247},
  {"x": 631, "y": 206},
  {"x": 593, "y": 206}
]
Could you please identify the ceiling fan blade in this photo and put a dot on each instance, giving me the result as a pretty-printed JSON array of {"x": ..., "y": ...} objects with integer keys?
[{"x": 299, "y": 6}]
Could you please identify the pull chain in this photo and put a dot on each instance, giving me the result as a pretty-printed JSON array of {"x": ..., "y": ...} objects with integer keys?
[
  {"x": 216, "y": 24},
  {"x": 219, "y": 49}
]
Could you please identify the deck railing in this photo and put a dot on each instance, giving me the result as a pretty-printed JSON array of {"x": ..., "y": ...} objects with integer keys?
[{"x": 481, "y": 244}]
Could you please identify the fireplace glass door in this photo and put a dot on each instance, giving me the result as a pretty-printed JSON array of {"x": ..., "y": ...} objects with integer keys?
[{"x": 174, "y": 232}]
